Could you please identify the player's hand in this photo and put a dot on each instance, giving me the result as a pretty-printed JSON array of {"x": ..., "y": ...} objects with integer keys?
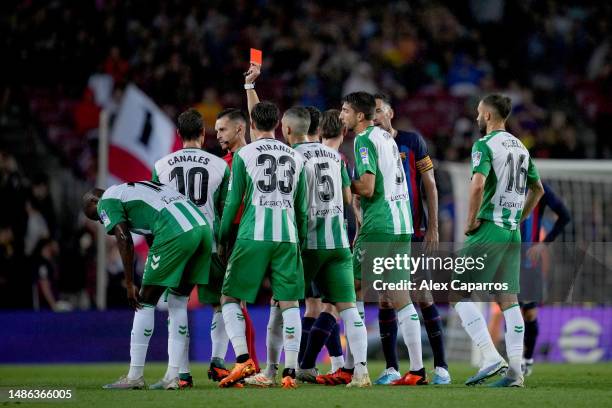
[
  {"x": 535, "y": 253},
  {"x": 252, "y": 74},
  {"x": 472, "y": 227},
  {"x": 432, "y": 239},
  {"x": 133, "y": 297}
]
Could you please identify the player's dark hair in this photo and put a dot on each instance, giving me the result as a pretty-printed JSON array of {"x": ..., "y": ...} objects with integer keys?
[
  {"x": 265, "y": 116},
  {"x": 330, "y": 125},
  {"x": 383, "y": 97},
  {"x": 190, "y": 124},
  {"x": 315, "y": 116},
  {"x": 362, "y": 102},
  {"x": 233, "y": 114},
  {"x": 501, "y": 103}
]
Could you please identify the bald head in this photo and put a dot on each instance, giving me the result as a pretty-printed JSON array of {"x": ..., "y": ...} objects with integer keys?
[
  {"x": 90, "y": 203},
  {"x": 295, "y": 123}
]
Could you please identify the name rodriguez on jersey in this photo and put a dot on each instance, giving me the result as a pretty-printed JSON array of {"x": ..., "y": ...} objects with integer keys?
[{"x": 321, "y": 153}]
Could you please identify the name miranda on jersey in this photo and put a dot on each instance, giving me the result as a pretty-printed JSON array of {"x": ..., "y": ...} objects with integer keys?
[
  {"x": 275, "y": 146},
  {"x": 185, "y": 159},
  {"x": 275, "y": 203},
  {"x": 321, "y": 153}
]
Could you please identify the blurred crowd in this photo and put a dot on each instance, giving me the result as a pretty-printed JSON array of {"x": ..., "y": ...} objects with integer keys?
[
  {"x": 29, "y": 249},
  {"x": 434, "y": 58},
  {"x": 41, "y": 266},
  {"x": 71, "y": 59}
]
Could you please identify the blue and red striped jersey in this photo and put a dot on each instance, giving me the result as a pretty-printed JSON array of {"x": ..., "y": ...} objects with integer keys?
[
  {"x": 416, "y": 160},
  {"x": 531, "y": 227}
]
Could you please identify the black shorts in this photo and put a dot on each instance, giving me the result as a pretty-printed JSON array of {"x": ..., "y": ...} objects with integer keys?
[
  {"x": 532, "y": 284},
  {"x": 312, "y": 291}
]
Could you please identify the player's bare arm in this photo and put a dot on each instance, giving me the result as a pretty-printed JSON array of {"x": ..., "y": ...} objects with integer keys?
[
  {"x": 251, "y": 75},
  {"x": 364, "y": 186},
  {"x": 356, "y": 203},
  {"x": 534, "y": 193},
  {"x": 431, "y": 235},
  {"x": 347, "y": 197},
  {"x": 476, "y": 192},
  {"x": 126, "y": 250}
]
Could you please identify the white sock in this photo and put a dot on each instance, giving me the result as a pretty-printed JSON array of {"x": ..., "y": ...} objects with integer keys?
[
  {"x": 474, "y": 324},
  {"x": 177, "y": 333},
  {"x": 336, "y": 363},
  {"x": 184, "y": 366},
  {"x": 515, "y": 331},
  {"x": 235, "y": 327},
  {"x": 350, "y": 361},
  {"x": 274, "y": 341},
  {"x": 292, "y": 334},
  {"x": 361, "y": 309},
  {"x": 410, "y": 325},
  {"x": 218, "y": 336},
  {"x": 356, "y": 334},
  {"x": 349, "y": 364},
  {"x": 142, "y": 330}
]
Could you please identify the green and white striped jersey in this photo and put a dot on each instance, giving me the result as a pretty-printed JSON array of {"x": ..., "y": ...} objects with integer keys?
[
  {"x": 149, "y": 208},
  {"x": 268, "y": 176},
  {"x": 326, "y": 175},
  {"x": 506, "y": 186},
  {"x": 388, "y": 210},
  {"x": 201, "y": 176}
]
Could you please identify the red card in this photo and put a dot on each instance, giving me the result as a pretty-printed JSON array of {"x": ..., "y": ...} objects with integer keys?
[{"x": 256, "y": 56}]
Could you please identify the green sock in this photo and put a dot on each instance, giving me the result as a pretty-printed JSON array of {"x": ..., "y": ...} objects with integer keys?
[
  {"x": 184, "y": 376},
  {"x": 219, "y": 362}
]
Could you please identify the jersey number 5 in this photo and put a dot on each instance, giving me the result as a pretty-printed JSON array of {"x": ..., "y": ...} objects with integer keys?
[{"x": 325, "y": 184}]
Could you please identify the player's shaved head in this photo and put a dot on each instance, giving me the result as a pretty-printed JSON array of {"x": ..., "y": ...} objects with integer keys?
[
  {"x": 298, "y": 119},
  {"x": 89, "y": 203},
  {"x": 330, "y": 126}
]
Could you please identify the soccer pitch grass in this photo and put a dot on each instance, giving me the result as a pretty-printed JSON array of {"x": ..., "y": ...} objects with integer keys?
[{"x": 551, "y": 385}]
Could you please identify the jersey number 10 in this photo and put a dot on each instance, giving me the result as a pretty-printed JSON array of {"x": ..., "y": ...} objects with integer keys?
[{"x": 197, "y": 192}]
